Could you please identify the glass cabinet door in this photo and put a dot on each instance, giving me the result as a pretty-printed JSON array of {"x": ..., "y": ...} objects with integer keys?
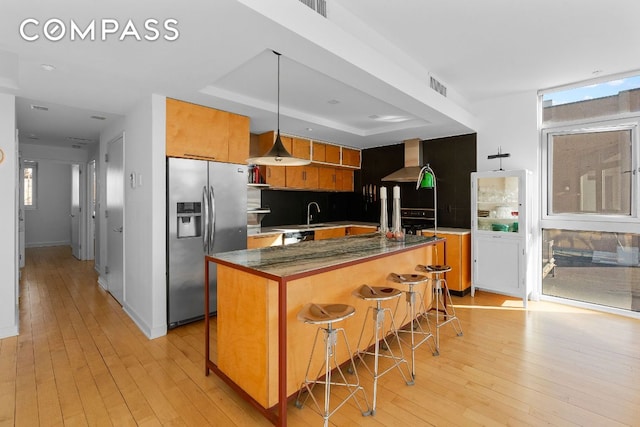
[{"x": 498, "y": 203}]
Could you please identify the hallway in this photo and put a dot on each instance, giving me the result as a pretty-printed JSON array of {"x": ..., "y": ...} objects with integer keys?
[{"x": 80, "y": 360}]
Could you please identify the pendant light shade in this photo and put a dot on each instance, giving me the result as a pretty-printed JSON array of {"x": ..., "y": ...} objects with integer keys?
[{"x": 278, "y": 155}]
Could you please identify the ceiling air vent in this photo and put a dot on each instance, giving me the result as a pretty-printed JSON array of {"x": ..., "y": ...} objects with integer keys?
[
  {"x": 39, "y": 107},
  {"x": 438, "y": 87},
  {"x": 319, "y": 6}
]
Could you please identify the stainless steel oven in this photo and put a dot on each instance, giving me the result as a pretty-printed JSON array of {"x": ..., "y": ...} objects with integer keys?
[{"x": 415, "y": 219}]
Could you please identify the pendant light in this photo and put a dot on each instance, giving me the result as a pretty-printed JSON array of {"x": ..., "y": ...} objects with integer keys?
[{"x": 278, "y": 155}]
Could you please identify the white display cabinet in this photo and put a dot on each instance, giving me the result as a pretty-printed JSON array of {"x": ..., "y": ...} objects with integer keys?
[{"x": 500, "y": 232}]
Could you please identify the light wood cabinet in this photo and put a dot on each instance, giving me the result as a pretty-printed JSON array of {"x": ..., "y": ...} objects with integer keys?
[
  {"x": 354, "y": 230},
  {"x": 319, "y": 153},
  {"x": 297, "y": 147},
  {"x": 350, "y": 157},
  {"x": 332, "y": 154},
  {"x": 344, "y": 180},
  {"x": 329, "y": 233},
  {"x": 458, "y": 256},
  {"x": 326, "y": 153},
  {"x": 275, "y": 176},
  {"x": 263, "y": 241},
  {"x": 301, "y": 148},
  {"x": 195, "y": 131},
  {"x": 327, "y": 178},
  {"x": 239, "y": 137},
  {"x": 305, "y": 177},
  {"x": 314, "y": 176}
]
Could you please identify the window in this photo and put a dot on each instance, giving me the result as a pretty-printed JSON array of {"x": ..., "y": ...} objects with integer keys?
[
  {"x": 591, "y": 171},
  {"x": 590, "y": 202},
  {"x": 30, "y": 183}
]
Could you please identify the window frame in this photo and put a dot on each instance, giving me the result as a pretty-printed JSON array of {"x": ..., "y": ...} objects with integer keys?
[
  {"x": 552, "y": 220},
  {"x": 32, "y": 164}
]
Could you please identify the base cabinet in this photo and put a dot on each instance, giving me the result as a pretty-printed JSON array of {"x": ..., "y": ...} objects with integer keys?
[
  {"x": 498, "y": 265},
  {"x": 264, "y": 240},
  {"x": 458, "y": 257},
  {"x": 330, "y": 233}
]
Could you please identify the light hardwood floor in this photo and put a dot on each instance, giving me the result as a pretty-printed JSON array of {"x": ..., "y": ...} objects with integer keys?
[{"x": 80, "y": 360}]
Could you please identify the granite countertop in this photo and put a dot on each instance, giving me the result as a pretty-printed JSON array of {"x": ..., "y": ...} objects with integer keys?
[
  {"x": 449, "y": 230},
  {"x": 288, "y": 260}
]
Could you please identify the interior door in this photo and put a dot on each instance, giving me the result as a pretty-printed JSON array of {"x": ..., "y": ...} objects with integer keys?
[
  {"x": 90, "y": 247},
  {"x": 115, "y": 219},
  {"x": 75, "y": 211},
  {"x": 21, "y": 231}
]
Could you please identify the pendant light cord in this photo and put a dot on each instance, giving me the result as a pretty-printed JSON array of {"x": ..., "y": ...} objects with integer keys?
[{"x": 278, "y": 109}]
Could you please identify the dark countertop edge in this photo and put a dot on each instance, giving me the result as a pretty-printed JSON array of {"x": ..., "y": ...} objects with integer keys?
[{"x": 314, "y": 271}]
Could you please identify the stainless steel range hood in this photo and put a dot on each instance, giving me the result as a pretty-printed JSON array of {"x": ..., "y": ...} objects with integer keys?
[{"x": 412, "y": 163}]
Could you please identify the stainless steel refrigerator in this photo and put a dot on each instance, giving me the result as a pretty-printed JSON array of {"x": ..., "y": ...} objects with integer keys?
[{"x": 206, "y": 213}]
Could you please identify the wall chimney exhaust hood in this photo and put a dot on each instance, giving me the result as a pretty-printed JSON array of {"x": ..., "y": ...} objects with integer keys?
[{"x": 412, "y": 163}]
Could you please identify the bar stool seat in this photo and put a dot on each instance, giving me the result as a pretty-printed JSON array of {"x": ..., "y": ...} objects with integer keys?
[
  {"x": 318, "y": 314},
  {"x": 416, "y": 311},
  {"x": 442, "y": 298},
  {"x": 378, "y": 294}
]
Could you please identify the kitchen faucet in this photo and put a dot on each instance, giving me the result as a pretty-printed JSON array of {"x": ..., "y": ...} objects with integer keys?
[{"x": 309, "y": 211}]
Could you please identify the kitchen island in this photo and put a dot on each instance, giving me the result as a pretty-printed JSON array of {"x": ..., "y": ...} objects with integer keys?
[{"x": 262, "y": 349}]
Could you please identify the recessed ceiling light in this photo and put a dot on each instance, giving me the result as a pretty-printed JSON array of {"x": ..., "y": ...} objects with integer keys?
[
  {"x": 333, "y": 101},
  {"x": 389, "y": 118},
  {"x": 98, "y": 117},
  {"x": 47, "y": 67}
]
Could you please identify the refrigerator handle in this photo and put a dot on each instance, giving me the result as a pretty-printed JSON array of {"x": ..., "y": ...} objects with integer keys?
[
  {"x": 205, "y": 223},
  {"x": 212, "y": 230}
]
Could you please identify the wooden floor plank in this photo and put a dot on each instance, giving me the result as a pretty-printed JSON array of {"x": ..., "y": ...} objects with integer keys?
[{"x": 80, "y": 360}]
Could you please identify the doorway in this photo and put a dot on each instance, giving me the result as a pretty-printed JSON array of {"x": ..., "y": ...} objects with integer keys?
[
  {"x": 76, "y": 211},
  {"x": 115, "y": 219}
]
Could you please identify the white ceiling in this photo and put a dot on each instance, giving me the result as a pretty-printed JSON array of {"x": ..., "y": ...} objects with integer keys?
[{"x": 373, "y": 57}]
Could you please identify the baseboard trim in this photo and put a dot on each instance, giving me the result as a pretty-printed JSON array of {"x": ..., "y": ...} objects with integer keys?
[{"x": 148, "y": 331}]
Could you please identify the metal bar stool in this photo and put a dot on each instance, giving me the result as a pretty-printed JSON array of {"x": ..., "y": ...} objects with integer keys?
[
  {"x": 316, "y": 314},
  {"x": 443, "y": 302},
  {"x": 379, "y": 294},
  {"x": 415, "y": 312}
]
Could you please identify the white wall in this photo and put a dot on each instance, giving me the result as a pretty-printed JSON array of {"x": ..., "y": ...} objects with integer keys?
[
  {"x": 144, "y": 214},
  {"x": 8, "y": 219},
  {"x": 511, "y": 122},
  {"x": 49, "y": 224}
]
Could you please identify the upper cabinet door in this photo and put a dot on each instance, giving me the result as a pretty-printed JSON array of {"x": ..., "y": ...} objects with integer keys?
[
  {"x": 239, "y": 136},
  {"x": 350, "y": 157},
  {"x": 333, "y": 154},
  {"x": 319, "y": 152},
  {"x": 327, "y": 179},
  {"x": 195, "y": 131},
  {"x": 301, "y": 148}
]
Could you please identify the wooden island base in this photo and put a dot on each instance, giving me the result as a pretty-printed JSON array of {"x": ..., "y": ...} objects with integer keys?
[{"x": 249, "y": 322}]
